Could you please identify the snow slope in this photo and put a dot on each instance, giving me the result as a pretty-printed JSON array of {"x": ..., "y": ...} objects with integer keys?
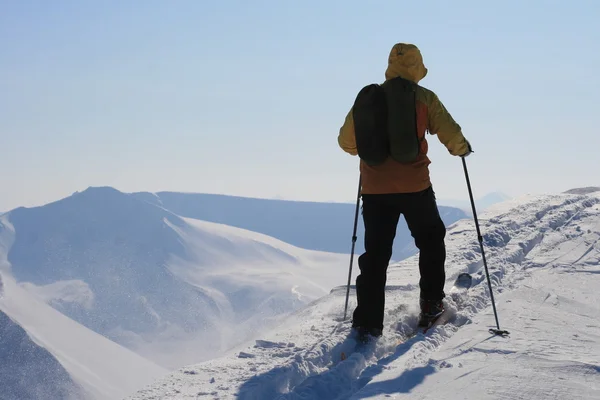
[
  {"x": 544, "y": 258},
  {"x": 172, "y": 289},
  {"x": 309, "y": 225},
  {"x": 54, "y": 356},
  {"x": 28, "y": 371}
]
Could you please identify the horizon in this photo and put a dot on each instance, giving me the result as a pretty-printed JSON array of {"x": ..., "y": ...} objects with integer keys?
[
  {"x": 247, "y": 99},
  {"x": 443, "y": 202}
]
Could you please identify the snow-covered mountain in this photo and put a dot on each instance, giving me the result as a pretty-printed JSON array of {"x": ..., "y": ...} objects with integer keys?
[
  {"x": 309, "y": 225},
  {"x": 543, "y": 254},
  {"x": 584, "y": 190},
  {"x": 28, "y": 371},
  {"x": 172, "y": 289},
  {"x": 46, "y": 355}
]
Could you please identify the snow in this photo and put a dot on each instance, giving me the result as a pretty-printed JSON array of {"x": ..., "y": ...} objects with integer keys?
[
  {"x": 309, "y": 225},
  {"x": 28, "y": 371},
  {"x": 251, "y": 278},
  {"x": 543, "y": 255},
  {"x": 73, "y": 291},
  {"x": 258, "y": 261},
  {"x": 174, "y": 290},
  {"x": 102, "y": 368},
  {"x": 552, "y": 352}
]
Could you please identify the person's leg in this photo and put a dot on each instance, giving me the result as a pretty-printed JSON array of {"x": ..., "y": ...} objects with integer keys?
[
  {"x": 380, "y": 216},
  {"x": 427, "y": 228}
]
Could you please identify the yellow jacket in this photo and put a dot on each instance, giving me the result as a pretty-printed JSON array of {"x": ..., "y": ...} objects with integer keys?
[{"x": 405, "y": 60}]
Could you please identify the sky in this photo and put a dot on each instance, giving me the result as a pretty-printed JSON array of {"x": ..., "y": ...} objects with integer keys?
[{"x": 247, "y": 98}]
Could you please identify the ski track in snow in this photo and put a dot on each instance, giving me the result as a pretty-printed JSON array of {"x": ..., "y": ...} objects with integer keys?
[{"x": 537, "y": 249}]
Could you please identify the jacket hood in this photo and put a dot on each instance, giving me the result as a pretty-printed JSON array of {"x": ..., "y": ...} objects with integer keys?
[{"x": 405, "y": 61}]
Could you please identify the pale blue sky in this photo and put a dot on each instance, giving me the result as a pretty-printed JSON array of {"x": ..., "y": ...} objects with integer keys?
[{"x": 247, "y": 97}]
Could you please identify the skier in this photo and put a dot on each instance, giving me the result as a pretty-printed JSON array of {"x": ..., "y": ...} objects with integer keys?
[{"x": 391, "y": 188}]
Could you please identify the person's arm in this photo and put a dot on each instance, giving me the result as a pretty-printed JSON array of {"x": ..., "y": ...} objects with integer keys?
[
  {"x": 447, "y": 129},
  {"x": 346, "y": 138}
]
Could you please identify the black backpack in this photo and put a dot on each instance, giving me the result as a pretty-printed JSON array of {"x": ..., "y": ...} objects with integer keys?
[{"x": 385, "y": 122}]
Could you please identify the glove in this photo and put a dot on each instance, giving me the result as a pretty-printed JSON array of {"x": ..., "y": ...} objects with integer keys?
[{"x": 469, "y": 150}]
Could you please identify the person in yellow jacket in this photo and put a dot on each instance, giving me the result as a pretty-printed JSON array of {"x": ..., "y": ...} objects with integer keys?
[{"x": 394, "y": 188}]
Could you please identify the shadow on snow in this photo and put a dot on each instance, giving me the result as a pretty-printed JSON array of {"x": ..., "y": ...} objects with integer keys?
[{"x": 333, "y": 379}]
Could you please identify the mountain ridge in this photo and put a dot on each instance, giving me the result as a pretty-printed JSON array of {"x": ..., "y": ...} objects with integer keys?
[
  {"x": 310, "y": 225},
  {"x": 155, "y": 282},
  {"x": 84, "y": 364}
]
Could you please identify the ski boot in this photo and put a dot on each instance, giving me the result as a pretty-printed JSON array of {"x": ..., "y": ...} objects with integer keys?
[
  {"x": 430, "y": 312},
  {"x": 365, "y": 335}
]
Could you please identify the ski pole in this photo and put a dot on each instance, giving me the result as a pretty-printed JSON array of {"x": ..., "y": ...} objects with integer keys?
[
  {"x": 497, "y": 331},
  {"x": 353, "y": 244}
]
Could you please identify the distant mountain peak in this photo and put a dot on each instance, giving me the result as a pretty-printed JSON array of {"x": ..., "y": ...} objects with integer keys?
[
  {"x": 100, "y": 191},
  {"x": 584, "y": 190}
]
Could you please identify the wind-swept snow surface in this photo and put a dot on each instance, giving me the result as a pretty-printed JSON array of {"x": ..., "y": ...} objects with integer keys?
[
  {"x": 50, "y": 356},
  {"x": 544, "y": 258},
  {"x": 172, "y": 289},
  {"x": 309, "y": 225},
  {"x": 28, "y": 371}
]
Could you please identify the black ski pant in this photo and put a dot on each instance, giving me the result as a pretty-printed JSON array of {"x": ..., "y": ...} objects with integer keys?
[{"x": 381, "y": 213}]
